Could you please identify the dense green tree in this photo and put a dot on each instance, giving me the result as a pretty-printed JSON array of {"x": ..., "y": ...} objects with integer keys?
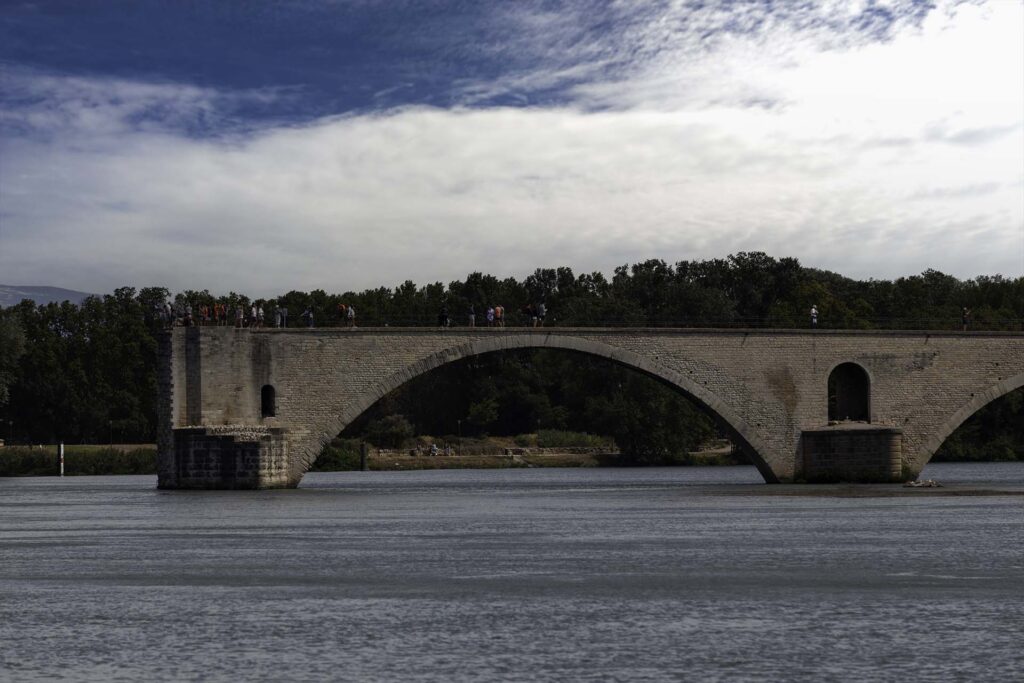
[
  {"x": 996, "y": 432},
  {"x": 390, "y": 431},
  {"x": 88, "y": 372},
  {"x": 12, "y": 345}
]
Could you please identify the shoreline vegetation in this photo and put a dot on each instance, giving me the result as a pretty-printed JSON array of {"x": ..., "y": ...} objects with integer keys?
[
  {"x": 506, "y": 452},
  {"x": 343, "y": 455},
  {"x": 79, "y": 460}
]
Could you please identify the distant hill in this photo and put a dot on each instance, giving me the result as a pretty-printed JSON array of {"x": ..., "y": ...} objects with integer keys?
[{"x": 13, "y": 294}]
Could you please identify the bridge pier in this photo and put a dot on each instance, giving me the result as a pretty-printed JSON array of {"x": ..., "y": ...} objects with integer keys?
[
  {"x": 855, "y": 453},
  {"x": 228, "y": 458}
]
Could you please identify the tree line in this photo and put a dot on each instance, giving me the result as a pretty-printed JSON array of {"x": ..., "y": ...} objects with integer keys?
[
  {"x": 87, "y": 373},
  {"x": 745, "y": 289}
]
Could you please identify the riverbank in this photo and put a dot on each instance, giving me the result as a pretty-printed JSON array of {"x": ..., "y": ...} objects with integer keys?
[
  {"x": 79, "y": 460},
  {"x": 402, "y": 462},
  {"x": 554, "y": 459},
  {"x": 342, "y": 456},
  {"x": 95, "y": 460}
]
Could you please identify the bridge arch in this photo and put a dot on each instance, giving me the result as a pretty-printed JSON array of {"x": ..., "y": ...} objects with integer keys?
[
  {"x": 977, "y": 401},
  {"x": 739, "y": 430}
]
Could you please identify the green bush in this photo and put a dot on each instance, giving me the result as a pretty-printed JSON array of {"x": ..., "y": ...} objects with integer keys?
[
  {"x": 968, "y": 448},
  {"x": 341, "y": 455},
  {"x": 389, "y": 432},
  {"x": 23, "y": 462},
  {"x": 557, "y": 438},
  {"x": 78, "y": 460}
]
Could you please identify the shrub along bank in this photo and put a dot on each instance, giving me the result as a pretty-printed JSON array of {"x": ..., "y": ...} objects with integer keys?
[
  {"x": 22, "y": 461},
  {"x": 547, "y": 448}
]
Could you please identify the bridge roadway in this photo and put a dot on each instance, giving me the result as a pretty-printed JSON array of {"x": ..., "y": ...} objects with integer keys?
[{"x": 252, "y": 408}]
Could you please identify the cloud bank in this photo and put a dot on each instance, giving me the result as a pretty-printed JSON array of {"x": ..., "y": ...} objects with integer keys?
[{"x": 876, "y": 153}]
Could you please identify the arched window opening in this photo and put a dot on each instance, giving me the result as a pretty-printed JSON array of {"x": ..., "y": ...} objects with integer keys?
[
  {"x": 268, "y": 401},
  {"x": 849, "y": 394}
]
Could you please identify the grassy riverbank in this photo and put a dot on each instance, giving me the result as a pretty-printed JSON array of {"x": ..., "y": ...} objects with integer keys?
[
  {"x": 340, "y": 456},
  {"x": 480, "y": 462},
  {"x": 41, "y": 461},
  {"x": 558, "y": 450},
  {"x": 525, "y": 450}
]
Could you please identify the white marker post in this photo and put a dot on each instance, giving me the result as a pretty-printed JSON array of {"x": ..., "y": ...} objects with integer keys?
[{"x": 60, "y": 454}]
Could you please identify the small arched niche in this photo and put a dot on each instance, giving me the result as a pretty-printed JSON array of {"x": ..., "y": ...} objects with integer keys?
[
  {"x": 849, "y": 393},
  {"x": 268, "y": 401}
]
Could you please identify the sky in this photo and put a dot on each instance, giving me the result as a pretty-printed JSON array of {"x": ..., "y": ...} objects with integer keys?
[{"x": 345, "y": 144}]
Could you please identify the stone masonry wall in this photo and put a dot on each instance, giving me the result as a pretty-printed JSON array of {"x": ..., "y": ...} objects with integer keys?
[
  {"x": 766, "y": 386},
  {"x": 851, "y": 454},
  {"x": 228, "y": 458},
  {"x": 165, "y": 403}
]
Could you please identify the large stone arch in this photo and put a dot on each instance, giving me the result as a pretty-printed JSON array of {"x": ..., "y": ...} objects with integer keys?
[
  {"x": 976, "y": 403},
  {"x": 766, "y": 387},
  {"x": 739, "y": 430}
]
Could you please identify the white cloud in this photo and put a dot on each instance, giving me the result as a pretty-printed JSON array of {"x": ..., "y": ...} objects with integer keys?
[{"x": 874, "y": 159}]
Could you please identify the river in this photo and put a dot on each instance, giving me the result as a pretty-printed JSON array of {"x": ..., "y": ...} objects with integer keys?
[{"x": 520, "y": 575}]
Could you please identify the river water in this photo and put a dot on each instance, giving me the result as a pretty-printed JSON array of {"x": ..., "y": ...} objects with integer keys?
[{"x": 521, "y": 575}]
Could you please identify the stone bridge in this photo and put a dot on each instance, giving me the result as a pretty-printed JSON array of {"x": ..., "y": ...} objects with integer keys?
[{"x": 243, "y": 408}]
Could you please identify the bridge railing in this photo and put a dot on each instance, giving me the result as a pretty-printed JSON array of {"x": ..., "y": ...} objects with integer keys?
[{"x": 732, "y": 322}]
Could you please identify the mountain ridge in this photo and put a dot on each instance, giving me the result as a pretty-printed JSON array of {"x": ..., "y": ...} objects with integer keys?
[{"x": 11, "y": 295}]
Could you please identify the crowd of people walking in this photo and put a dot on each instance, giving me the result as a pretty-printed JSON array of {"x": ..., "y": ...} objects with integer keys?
[
  {"x": 255, "y": 316},
  {"x": 494, "y": 316},
  {"x": 533, "y": 315},
  {"x": 223, "y": 315}
]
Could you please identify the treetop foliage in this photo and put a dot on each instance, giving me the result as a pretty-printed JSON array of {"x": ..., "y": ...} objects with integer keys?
[{"x": 744, "y": 289}]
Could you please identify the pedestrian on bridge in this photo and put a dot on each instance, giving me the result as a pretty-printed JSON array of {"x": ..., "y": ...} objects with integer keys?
[{"x": 814, "y": 316}]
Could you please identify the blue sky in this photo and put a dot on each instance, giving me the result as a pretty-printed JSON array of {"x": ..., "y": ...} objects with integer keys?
[{"x": 277, "y": 145}]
